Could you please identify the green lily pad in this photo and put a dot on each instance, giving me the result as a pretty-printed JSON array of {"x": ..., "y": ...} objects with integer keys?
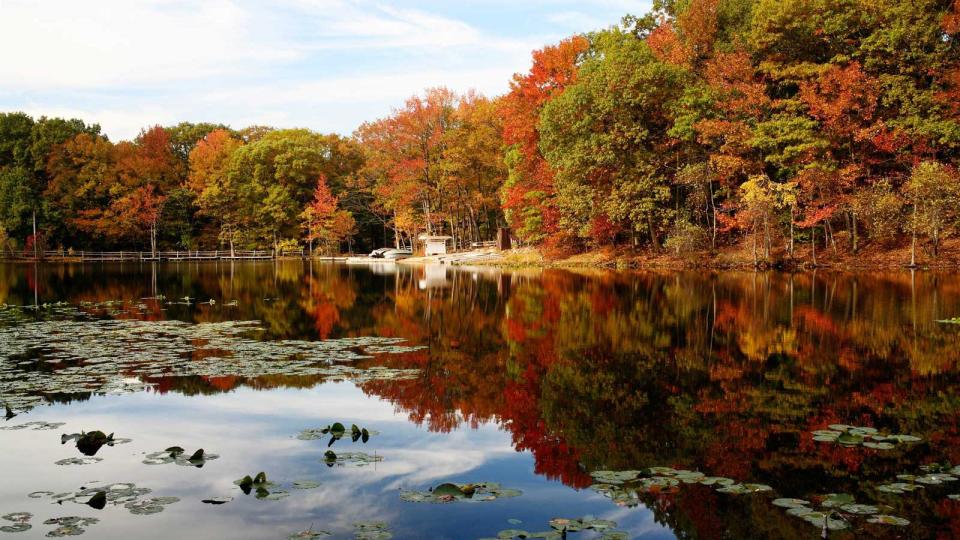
[
  {"x": 371, "y": 530},
  {"x": 879, "y": 445},
  {"x": 305, "y": 484},
  {"x": 86, "y": 460},
  {"x": 821, "y": 520},
  {"x": 790, "y": 503},
  {"x": 862, "y": 509},
  {"x": 850, "y": 439},
  {"x": 898, "y": 487},
  {"x": 889, "y": 520},
  {"x": 836, "y": 500},
  {"x": 309, "y": 535},
  {"x": 449, "y": 493},
  {"x": 717, "y": 480}
]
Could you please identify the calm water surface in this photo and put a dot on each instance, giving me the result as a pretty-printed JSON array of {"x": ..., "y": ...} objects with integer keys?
[{"x": 530, "y": 379}]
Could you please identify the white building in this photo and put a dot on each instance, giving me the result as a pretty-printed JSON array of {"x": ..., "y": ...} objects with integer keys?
[{"x": 434, "y": 245}]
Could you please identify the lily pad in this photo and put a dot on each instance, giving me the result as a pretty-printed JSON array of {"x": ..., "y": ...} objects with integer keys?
[
  {"x": 836, "y": 500},
  {"x": 217, "y": 500},
  {"x": 371, "y": 530},
  {"x": 176, "y": 455},
  {"x": 862, "y": 509},
  {"x": 305, "y": 484},
  {"x": 86, "y": 460},
  {"x": 790, "y": 503},
  {"x": 889, "y": 520},
  {"x": 449, "y": 493},
  {"x": 309, "y": 535},
  {"x": 821, "y": 520},
  {"x": 879, "y": 445}
]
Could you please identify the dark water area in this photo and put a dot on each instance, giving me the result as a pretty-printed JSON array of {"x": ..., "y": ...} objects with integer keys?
[{"x": 552, "y": 392}]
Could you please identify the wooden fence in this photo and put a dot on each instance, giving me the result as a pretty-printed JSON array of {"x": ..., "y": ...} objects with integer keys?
[{"x": 98, "y": 256}]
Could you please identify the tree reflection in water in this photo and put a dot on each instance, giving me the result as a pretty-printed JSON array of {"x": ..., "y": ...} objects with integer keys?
[{"x": 726, "y": 372}]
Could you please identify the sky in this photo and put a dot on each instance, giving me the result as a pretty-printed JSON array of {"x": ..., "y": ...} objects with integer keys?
[{"x": 327, "y": 65}]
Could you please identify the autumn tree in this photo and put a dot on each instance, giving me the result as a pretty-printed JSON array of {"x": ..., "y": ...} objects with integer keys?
[
  {"x": 323, "y": 220},
  {"x": 218, "y": 195},
  {"x": 933, "y": 190},
  {"x": 528, "y": 195}
]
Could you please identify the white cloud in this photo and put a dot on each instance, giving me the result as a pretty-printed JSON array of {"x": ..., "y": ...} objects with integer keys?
[{"x": 324, "y": 64}]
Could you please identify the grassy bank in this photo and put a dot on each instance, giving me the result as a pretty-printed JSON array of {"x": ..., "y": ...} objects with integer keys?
[{"x": 838, "y": 255}]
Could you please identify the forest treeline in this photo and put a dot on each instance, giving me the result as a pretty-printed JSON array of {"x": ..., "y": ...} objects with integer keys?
[{"x": 703, "y": 124}]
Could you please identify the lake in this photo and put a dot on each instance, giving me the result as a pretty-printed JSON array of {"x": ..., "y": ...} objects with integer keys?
[{"x": 485, "y": 402}]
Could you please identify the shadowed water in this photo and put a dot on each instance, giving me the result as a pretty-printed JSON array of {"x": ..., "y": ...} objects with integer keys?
[{"x": 530, "y": 379}]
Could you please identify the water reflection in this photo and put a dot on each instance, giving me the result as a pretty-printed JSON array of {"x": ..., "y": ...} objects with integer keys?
[{"x": 726, "y": 373}]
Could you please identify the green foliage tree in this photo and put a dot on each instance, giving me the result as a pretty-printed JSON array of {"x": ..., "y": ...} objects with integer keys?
[{"x": 604, "y": 137}]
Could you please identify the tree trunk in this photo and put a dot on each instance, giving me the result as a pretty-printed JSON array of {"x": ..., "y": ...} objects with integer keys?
[
  {"x": 766, "y": 237},
  {"x": 853, "y": 230},
  {"x": 653, "y": 233},
  {"x": 396, "y": 231},
  {"x": 791, "y": 231},
  {"x": 813, "y": 243},
  {"x": 713, "y": 205},
  {"x": 913, "y": 237},
  {"x": 153, "y": 240},
  {"x": 35, "y": 249}
]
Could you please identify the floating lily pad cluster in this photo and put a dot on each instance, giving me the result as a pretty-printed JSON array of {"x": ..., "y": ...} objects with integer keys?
[
  {"x": 111, "y": 356},
  {"x": 178, "y": 455},
  {"x": 336, "y": 432},
  {"x": 35, "y": 426},
  {"x": 623, "y": 487},
  {"x": 449, "y": 493},
  {"x": 372, "y": 530},
  {"x": 17, "y": 522},
  {"x": 261, "y": 487},
  {"x": 560, "y": 528},
  {"x": 934, "y": 474},
  {"x": 86, "y": 460},
  {"x": 309, "y": 534},
  {"x": 838, "y": 511},
  {"x": 125, "y": 494},
  {"x": 867, "y": 437},
  {"x": 359, "y": 459},
  {"x": 69, "y": 525}
]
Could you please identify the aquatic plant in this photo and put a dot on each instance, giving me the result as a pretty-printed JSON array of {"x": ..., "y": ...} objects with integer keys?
[
  {"x": 125, "y": 494},
  {"x": 868, "y": 437},
  {"x": 261, "y": 487},
  {"x": 449, "y": 492},
  {"x": 176, "y": 454},
  {"x": 561, "y": 528},
  {"x": 371, "y": 530},
  {"x": 20, "y": 522},
  {"x": 111, "y": 356},
  {"x": 359, "y": 459},
  {"x": 336, "y": 431}
]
